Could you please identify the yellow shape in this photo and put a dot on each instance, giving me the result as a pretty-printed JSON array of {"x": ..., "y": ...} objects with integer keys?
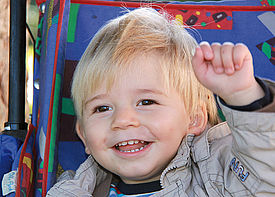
[
  {"x": 218, "y": 26},
  {"x": 28, "y": 162},
  {"x": 179, "y": 19},
  {"x": 198, "y": 13},
  {"x": 31, "y": 176}
]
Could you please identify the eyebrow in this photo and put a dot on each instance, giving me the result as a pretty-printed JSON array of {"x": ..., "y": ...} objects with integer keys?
[
  {"x": 97, "y": 97},
  {"x": 138, "y": 91},
  {"x": 150, "y": 91}
]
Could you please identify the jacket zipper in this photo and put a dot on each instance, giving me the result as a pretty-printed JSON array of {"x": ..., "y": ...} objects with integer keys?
[{"x": 165, "y": 172}]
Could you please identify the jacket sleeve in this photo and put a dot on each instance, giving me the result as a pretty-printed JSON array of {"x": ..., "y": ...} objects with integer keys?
[{"x": 253, "y": 147}]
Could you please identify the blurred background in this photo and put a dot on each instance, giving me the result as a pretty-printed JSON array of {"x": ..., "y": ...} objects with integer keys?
[{"x": 32, "y": 19}]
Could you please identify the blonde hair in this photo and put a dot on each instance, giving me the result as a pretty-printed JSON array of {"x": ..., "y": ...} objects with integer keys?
[{"x": 139, "y": 32}]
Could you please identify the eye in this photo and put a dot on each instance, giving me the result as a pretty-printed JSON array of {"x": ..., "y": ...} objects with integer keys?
[
  {"x": 103, "y": 108},
  {"x": 147, "y": 102}
]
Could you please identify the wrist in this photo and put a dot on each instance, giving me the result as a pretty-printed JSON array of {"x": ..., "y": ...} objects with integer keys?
[{"x": 246, "y": 96}]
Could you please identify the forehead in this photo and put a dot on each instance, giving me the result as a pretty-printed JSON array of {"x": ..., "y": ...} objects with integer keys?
[
  {"x": 142, "y": 72},
  {"x": 142, "y": 68}
]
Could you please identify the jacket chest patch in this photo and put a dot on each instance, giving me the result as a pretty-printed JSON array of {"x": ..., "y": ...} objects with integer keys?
[{"x": 238, "y": 169}]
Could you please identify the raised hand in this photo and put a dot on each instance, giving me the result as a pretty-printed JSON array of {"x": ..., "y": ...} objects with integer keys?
[{"x": 227, "y": 70}]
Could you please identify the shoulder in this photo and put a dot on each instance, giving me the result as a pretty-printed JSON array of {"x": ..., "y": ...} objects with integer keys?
[
  {"x": 218, "y": 131},
  {"x": 213, "y": 162},
  {"x": 79, "y": 183}
]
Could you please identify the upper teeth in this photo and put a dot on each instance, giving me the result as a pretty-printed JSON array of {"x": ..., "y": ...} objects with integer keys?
[{"x": 131, "y": 142}]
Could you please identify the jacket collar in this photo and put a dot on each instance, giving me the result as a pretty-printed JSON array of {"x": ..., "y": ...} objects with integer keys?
[
  {"x": 180, "y": 162},
  {"x": 200, "y": 149},
  {"x": 195, "y": 147}
]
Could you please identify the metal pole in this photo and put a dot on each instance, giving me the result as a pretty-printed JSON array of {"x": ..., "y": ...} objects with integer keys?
[{"x": 17, "y": 66}]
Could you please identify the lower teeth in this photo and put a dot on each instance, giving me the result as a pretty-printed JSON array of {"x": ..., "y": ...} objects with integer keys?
[{"x": 132, "y": 151}]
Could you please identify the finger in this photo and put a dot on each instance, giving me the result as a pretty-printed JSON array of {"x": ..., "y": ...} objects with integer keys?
[
  {"x": 216, "y": 61},
  {"x": 198, "y": 63},
  {"x": 240, "y": 54},
  {"x": 206, "y": 50},
  {"x": 227, "y": 57},
  {"x": 198, "y": 57}
]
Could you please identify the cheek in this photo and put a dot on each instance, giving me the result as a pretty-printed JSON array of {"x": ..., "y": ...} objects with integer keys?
[
  {"x": 171, "y": 124},
  {"x": 95, "y": 136}
]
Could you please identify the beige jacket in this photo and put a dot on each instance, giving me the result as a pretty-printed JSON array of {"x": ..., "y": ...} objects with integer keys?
[{"x": 234, "y": 158}]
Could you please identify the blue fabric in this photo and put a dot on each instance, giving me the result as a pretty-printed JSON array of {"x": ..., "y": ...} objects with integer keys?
[
  {"x": 8, "y": 150},
  {"x": 71, "y": 155}
]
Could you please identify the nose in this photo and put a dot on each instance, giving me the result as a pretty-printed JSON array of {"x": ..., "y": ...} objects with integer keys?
[{"x": 125, "y": 118}]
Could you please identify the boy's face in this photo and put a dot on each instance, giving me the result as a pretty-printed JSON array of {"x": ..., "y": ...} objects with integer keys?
[{"x": 135, "y": 129}]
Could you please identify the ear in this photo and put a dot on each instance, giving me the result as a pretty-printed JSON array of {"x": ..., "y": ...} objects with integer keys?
[
  {"x": 81, "y": 134},
  {"x": 198, "y": 121}
]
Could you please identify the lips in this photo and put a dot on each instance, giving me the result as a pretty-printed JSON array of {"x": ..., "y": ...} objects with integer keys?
[{"x": 131, "y": 146}]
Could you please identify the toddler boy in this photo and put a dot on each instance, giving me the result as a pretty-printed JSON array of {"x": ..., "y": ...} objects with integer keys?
[{"x": 143, "y": 94}]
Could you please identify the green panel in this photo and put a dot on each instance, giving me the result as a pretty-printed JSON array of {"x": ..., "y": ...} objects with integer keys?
[
  {"x": 67, "y": 106},
  {"x": 72, "y": 22},
  {"x": 221, "y": 115},
  {"x": 266, "y": 48},
  {"x": 54, "y": 121},
  {"x": 38, "y": 50},
  {"x": 41, "y": 164},
  {"x": 271, "y": 2}
]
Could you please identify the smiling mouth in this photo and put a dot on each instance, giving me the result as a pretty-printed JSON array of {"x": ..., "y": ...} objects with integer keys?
[{"x": 131, "y": 146}]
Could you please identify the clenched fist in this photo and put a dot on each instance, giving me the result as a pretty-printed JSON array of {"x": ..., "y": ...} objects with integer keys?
[{"x": 227, "y": 70}]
